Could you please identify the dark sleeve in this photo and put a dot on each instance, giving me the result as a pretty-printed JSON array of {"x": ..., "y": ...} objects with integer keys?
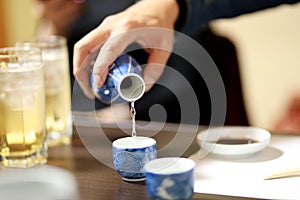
[
  {"x": 201, "y": 12},
  {"x": 184, "y": 10}
]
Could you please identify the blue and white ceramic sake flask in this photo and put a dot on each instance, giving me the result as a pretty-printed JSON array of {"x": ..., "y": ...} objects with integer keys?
[{"x": 124, "y": 82}]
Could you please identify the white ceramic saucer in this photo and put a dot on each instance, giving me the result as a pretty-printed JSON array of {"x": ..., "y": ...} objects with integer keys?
[{"x": 233, "y": 141}]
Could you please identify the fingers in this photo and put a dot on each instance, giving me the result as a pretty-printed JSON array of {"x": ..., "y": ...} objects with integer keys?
[
  {"x": 85, "y": 53},
  {"x": 155, "y": 67},
  {"x": 113, "y": 36},
  {"x": 152, "y": 72},
  {"x": 83, "y": 74},
  {"x": 109, "y": 52}
]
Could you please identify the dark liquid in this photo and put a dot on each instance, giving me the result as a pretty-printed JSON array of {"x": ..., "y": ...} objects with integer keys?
[{"x": 236, "y": 141}]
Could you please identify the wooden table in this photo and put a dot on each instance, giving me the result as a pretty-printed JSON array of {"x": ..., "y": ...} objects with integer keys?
[{"x": 100, "y": 181}]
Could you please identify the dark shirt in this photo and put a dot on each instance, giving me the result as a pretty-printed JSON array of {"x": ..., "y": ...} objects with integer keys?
[{"x": 201, "y": 12}]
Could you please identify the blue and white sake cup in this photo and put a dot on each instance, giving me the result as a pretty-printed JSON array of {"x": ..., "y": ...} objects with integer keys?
[
  {"x": 130, "y": 154},
  {"x": 170, "y": 178},
  {"x": 123, "y": 83}
]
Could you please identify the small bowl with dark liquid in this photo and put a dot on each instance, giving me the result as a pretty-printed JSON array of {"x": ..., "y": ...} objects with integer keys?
[{"x": 233, "y": 141}]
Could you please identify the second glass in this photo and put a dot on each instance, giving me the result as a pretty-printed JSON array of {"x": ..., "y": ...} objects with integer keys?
[{"x": 57, "y": 88}]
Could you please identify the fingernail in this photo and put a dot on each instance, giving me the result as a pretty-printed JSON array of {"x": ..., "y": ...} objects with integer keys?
[{"x": 97, "y": 80}]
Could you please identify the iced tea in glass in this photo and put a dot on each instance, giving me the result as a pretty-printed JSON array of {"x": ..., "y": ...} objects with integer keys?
[{"x": 22, "y": 108}]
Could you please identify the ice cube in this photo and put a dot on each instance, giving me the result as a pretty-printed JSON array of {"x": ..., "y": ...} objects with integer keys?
[
  {"x": 53, "y": 75},
  {"x": 20, "y": 99}
]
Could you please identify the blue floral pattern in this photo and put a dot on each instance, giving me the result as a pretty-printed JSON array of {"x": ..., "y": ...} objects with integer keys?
[
  {"x": 108, "y": 93},
  {"x": 130, "y": 162}
]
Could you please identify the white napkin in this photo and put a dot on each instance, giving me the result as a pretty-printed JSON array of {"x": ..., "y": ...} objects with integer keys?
[{"x": 244, "y": 177}]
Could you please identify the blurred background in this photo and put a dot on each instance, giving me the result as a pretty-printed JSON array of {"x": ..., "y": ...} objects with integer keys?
[{"x": 268, "y": 45}]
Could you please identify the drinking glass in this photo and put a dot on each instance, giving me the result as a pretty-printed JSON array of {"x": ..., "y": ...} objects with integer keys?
[
  {"x": 57, "y": 88},
  {"x": 22, "y": 108}
]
